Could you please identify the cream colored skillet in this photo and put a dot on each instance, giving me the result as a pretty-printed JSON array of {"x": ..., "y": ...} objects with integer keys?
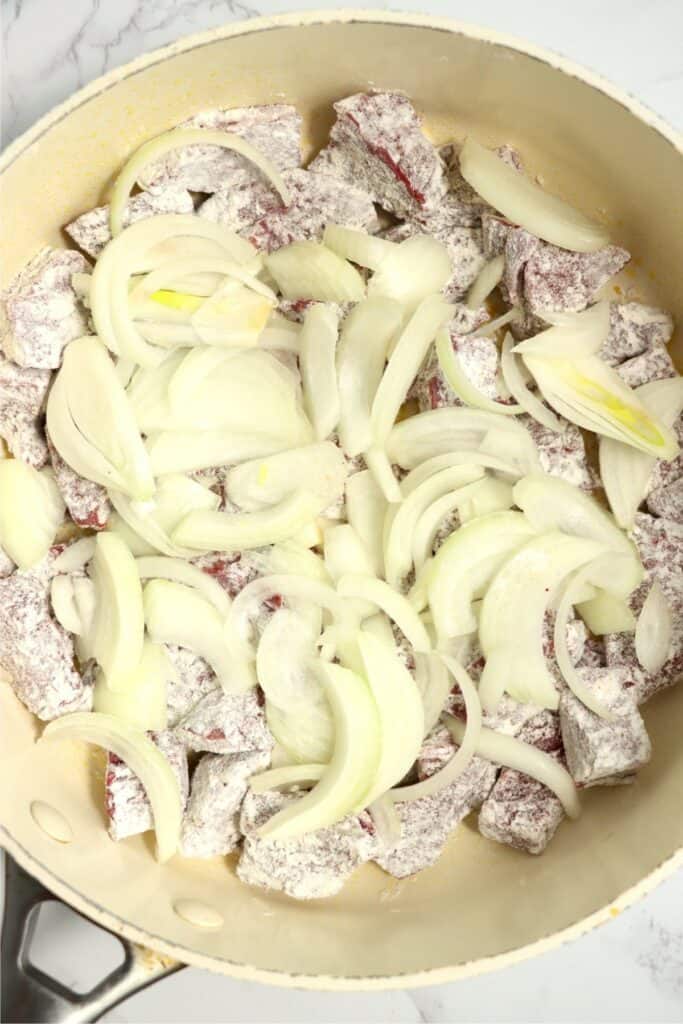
[{"x": 482, "y": 906}]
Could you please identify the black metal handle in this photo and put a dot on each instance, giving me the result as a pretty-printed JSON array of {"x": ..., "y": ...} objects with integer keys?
[{"x": 28, "y": 994}]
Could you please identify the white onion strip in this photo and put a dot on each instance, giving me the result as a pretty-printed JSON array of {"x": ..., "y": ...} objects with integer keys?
[
  {"x": 240, "y": 531},
  {"x": 159, "y": 146},
  {"x": 177, "y": 570},
  {"x": 526, "y": 399},
  {"x": 393, "y": 604},
  {"x": 299, "y": 776},
  {"x": 522, "y": 757},
  {"x": 317, "y": 363},
  {"x": 654, "y": 630},
  {"x": 572, "y": 592},
  {"x": 468, "y": 741},
  {"x": 489, "y": 277},
  {"x": 460, "y": 383},
  {"x": 145, "y": 761},
  {"x": 379, "y": 465}
]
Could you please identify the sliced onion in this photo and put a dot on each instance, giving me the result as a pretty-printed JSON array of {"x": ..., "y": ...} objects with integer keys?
[
  {"x": 179, "y": 571},
  {"x": 143, "y": 758},
  {"x": 525, "y": 203},
  {"x": 184, "y": 451},
  {"x": 357, "y": 246},
  {"x": 290, "y": 588},
  {"x": 460, "y": 383},
  {"x": 438, "y": 463},
  {"x": 605, "y": 613},
  {"x": 309, "y": 270},
  {"x": 85, "y": 602},
  {"x": 147, "y": 393},
  {"x": 63, "y": 604},
  {"x": 240, "y": 531},
  {"x": 551, "y": 503},
  {"x": 386, "y": 821},
  {"x": 431, "y": 520},
  {"x": 318, "y": 468},
  {"x": 434, "y": 684},
  {"x": 416, "y": 268},
  {"x": 464, "y": 566},
  {"x": 512, "y": 614},
  {"x": 280, "y": 333},
  {"x": 491, "y": 326},
  {"x": 317, "y": 361},
  {"x": 489, "y": 277},
  {"x": 290, "y": 559},
  {"x": 351, "y": 772},
  {"x": 344, "y": 553},
  {"x": 399, "y": 706},
  {"x": 287, "y": 777},
  {"x": 138, "y": 547},
  {"x": 393, "y": 604},
  {"x": 625, "y": 472},
  {"x": 442, "y": 431},
  {"x": 118, "y": 625},
  {"x": 165, "y": 143},
  {"x": 654, "y": 630},
  {"x": 468, "y": 742},
  {"x": 517, "y": 386},
  {"x": 405, "y": 361},
  {"x": 177, "y": 496},
  {"x": 93, "y": 427},
  {"x": 400, "y": 531},
  {"x": 365, "y": 511},
  {"x": 487, "y": 495},
  {"x": 75, "y": 556},
  {"x": 143, "y": 700},
  {"x": 380, "y": 626},
  {"x": 379, "y": 465},
  {"x": 31, "y": 511},
  {"x": 177, "y": 614},
  {"x": 579, "y": 335},
  {"x": 523, "y": 757},
  {"x": 569, "y": 598},
  {"x": 591, "y": 394},
  {"x": 362, "y": 352}
]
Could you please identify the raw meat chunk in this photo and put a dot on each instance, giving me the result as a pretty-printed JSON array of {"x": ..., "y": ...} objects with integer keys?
[
  {"x": 377, "y": 144},
  {"x": 660, "y": 545},
  {"x": 273, "y": 129},
  {"x": 192, "y": 680},
  {"x": 41, "y": 312},
  {"x": 667, "y": 501},
  {"x": 634, "y": 329},
  {"x": 519, "y": 811},
  {"x": 562, "y": 281},
  {"x": 226, "y": 723},
  {"x": 36, "y": 653},
  {"x": 22, "y": 394},
  {"x": 211, "y": 822},
  {"x": 426, "y": 823},
  {"x": 87, "y": 502},
  {"x": 562, "y": 455},
  {"x": 128, "y": 808},
  {"x": 309, "y": 867},
  {"x": 667, "y": 472},
  {"x": 91, "y": 231},
  {"x": 601, "y": 752},
  {"x": 479, "y": 360},
  {"x": 655, "y": 364},
  {"x": 233, "y": 571}
]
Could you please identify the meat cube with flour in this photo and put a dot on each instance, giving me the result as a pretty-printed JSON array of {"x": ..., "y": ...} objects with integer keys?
[
  {"x": 128, "y": 809},
  {"x": 226, "y": 723},
  {"x": 191, "y": 680},
  {"x": 655, "y": 364},
  {"x": 633, "y": 330},
  {"x": 91, "y": 231},
  {"x": 40, "y": 312},
  {"x": 23, "y": 392},
  {"x": 519, "y": 811},
  {"x": 211, "y": 822},
  {"x": 667, "y": 501},
  {"x": 602, "y": 752},
  {"x": 36, "y": 653},
  {"x": 660, "y": 546},
  {"x": 87, "y": 501},
  {"x": 312, "y": 866},
  {"x": 427, "y": 823},
  {"x": 377, "y": 144},
  {"x": 273, "y": 129}
]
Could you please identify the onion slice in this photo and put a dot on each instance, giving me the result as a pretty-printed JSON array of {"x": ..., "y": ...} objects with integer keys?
[
  {"x": 468, "y": 741},
  {"x": 165, "y": 143},
  {"x": 240, "y": 531},
  {"x": 185, "y": 451},
  {"x": 580, "y": 335},
  {"x": 365, "y": 511},
  {"x": 460, "y": 383},
  {"x": 64, "y": 605},
  {"x": 317, "y": 363},
  {"x": 75, "y": 556},
  {"x": 352, "y": 770},
  {"x": 366, "y": 335},
  {"x": 654, "y": 630},
  {"x": 434, "y": 683},
  {"x": 143, "y": 702},
  {"x": 177, "y": 570},
  {"x": 178, "y": 614},
  {"x": 155, "y": 521},
  {"x": 320, "y": 469},
  {"x": 118, "y": 624},
  {"x": 357, "y": 246},
  {"x": 522, "y": 757},
  {"x": 523, "y": 202},
  {"x": 393, "y": 604},
  {"x": 309, "y": 270},
  {"x": 488, "y": 278},
  {"x": 464, "y": 501},
  {"x": 286, "y": 777},
  {"x": 379, "y": 465},
  {"x": 31, "y": 511},
  {"x": 412, "y": 270},
  {"x": 624, "y": 471},
  {"x": 517, "y": 386},
  {"x": 605, "y": 613},
  {"x": 145, "y": 761}
]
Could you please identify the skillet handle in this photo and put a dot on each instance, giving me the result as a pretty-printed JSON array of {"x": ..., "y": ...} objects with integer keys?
[{"x": 29, "y": 994}]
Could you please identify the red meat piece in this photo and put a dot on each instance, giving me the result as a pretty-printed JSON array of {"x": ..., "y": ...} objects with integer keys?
[
  {"x": 22, "y": 395},
  {"x": 91, "y": 231},
  {"x": 87, "y": 502}
]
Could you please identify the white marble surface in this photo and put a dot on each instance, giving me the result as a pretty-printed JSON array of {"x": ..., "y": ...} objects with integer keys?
[{"x": 630, "y": 970}]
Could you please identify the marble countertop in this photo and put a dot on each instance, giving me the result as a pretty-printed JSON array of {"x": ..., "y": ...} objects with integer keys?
[{"x": 630, "y": 970}]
